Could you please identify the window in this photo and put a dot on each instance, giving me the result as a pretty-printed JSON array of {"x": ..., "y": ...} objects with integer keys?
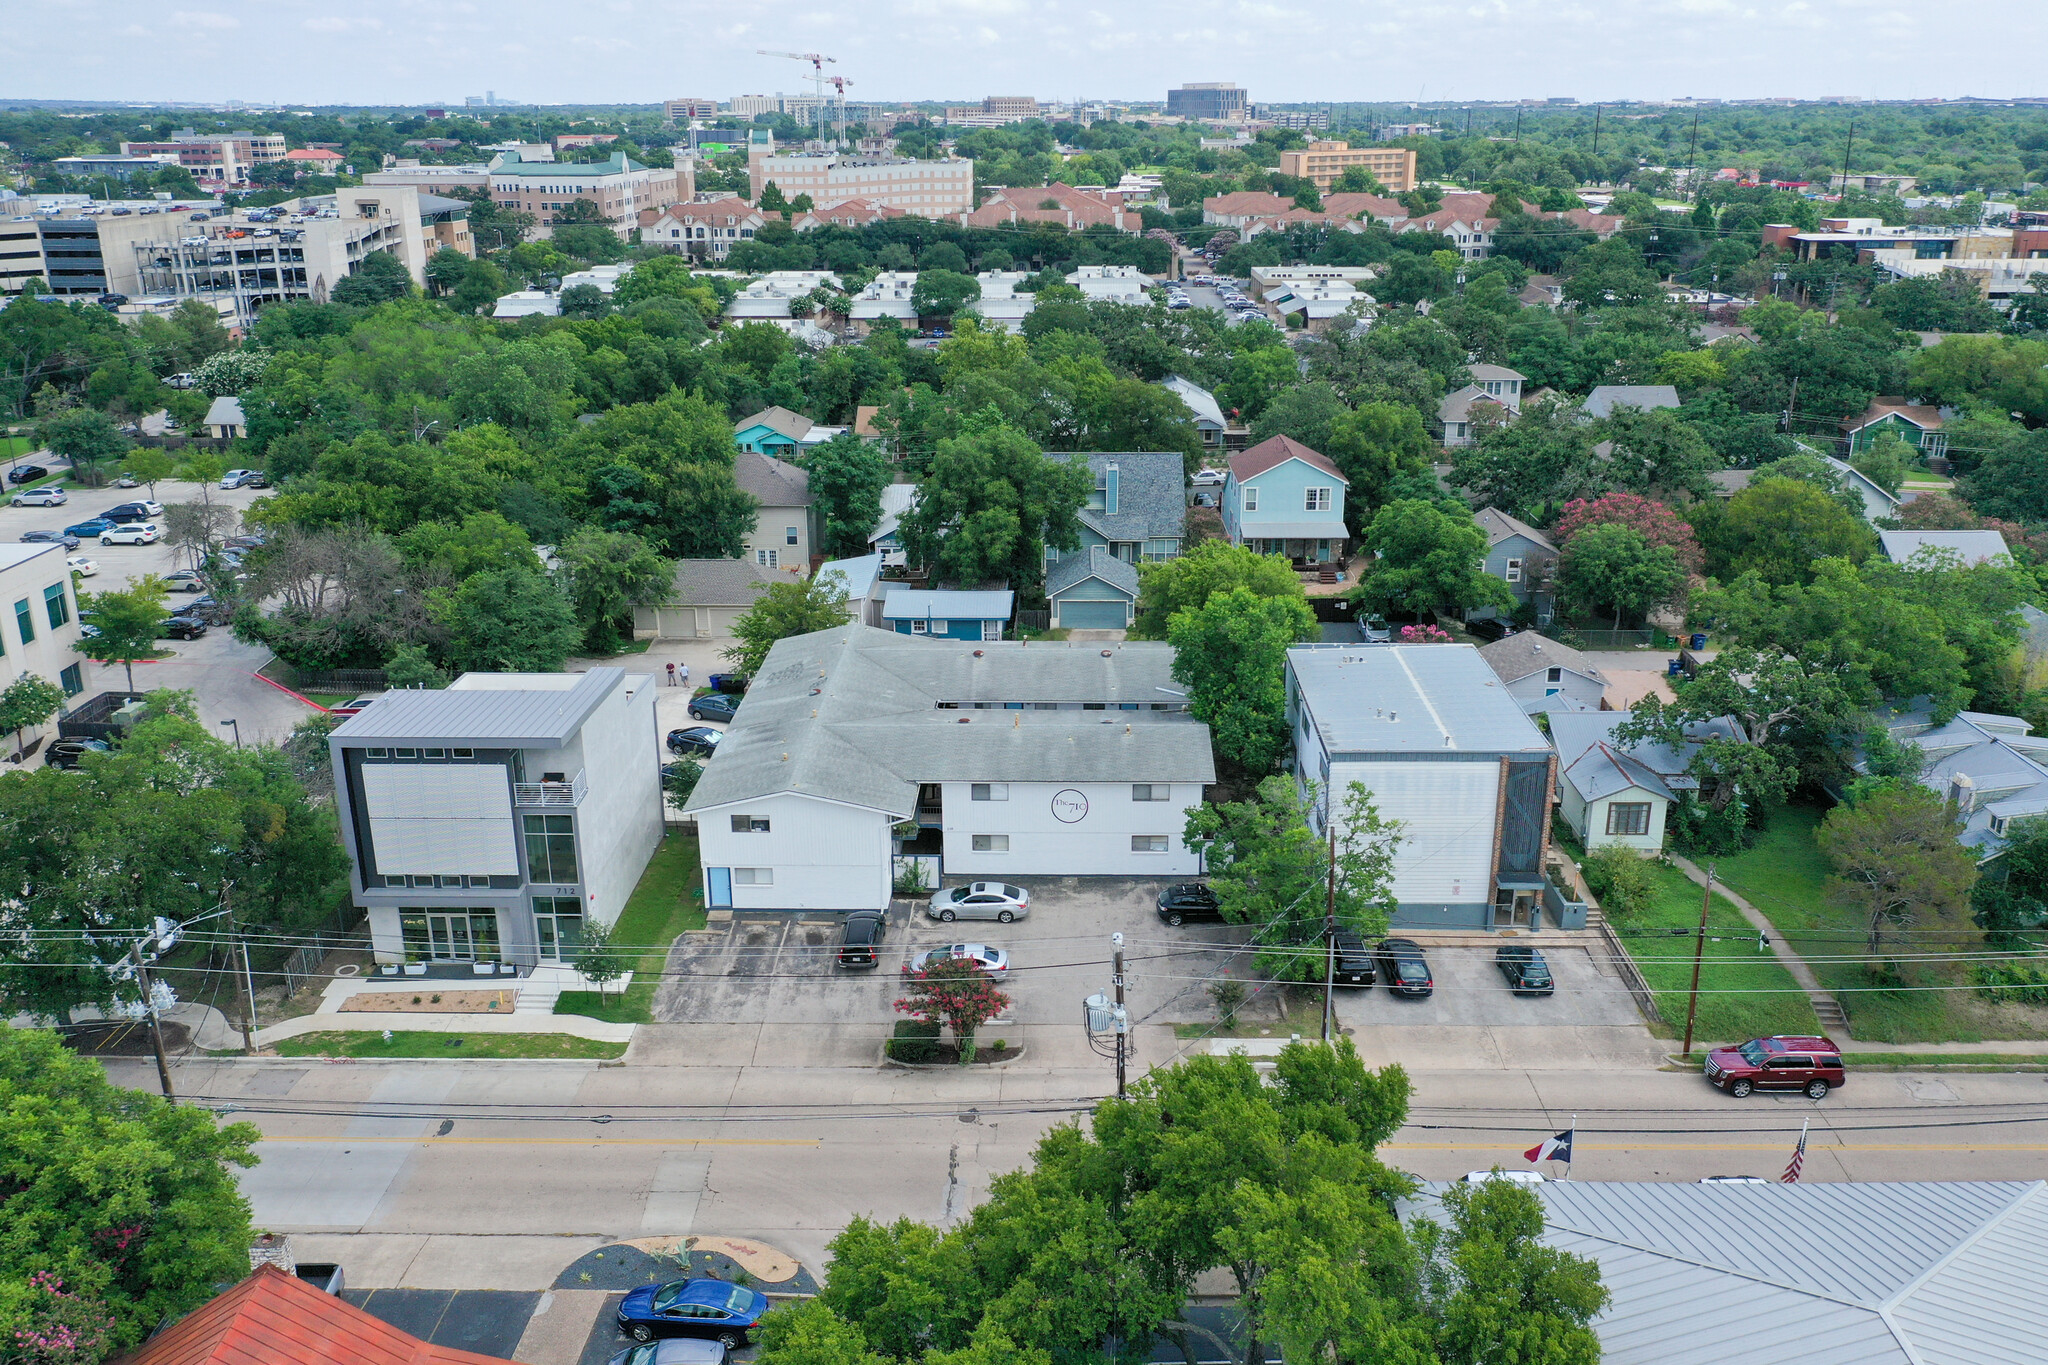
[
  {"x": 57, "y": 605},
  {"x": 551, "y": 848},
  {"x": 1628, "y": 817},
  {"x": 463, "y": 753},
  {"x": 753, "y": 876},
  {"x": 1514, "y": 571},
  {"x": 74, "y": 683},
  {"x": 789, "y": 535},
  {"x": 1315, "y": 500},
  {"x": 436, "y": 753},
  {"x": 989, "y": 791},
  {"x": 919, "y": 627},
  {"x": 991, "y": 843},
  {"x": 1251, "y": 499},
  {"x": 376, "y": 753},
  {"x": 405, "y": 753},
  {"x": 1148, "y": 843},
  {"x": 1554, "y": 675},
  {"x": 25, "y": 619},
  {"x": 1150, "y": 791},
  {"x": 750, "y": 824},
  {"x": 767, "y": 559}
]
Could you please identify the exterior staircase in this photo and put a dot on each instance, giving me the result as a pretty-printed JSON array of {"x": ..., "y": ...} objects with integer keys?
[{"x": 539, "y": 991}]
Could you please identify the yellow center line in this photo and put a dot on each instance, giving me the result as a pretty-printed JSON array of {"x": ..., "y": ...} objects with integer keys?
[{"x": 551, "y": 1142}]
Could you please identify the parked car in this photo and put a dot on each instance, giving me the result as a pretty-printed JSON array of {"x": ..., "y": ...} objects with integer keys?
[
  {"x": 243, "y": 543},
  {"x": 132, "y": 533},
  {"x": 1354, "y": 965},
  {"x": 1407, "y": 970},
  {"x": 234, "y": 478},
  {"x": 27, "y": 473},
  {"x": 1209, "y": 478},
  {"x": 42, "y": 497},
  {"x": 69, "y": 541},
  {"x": 184, "y": 580},
  {"x": 1189, "y": 901},
  {"x": 674, "y": 1351},
  {"x": 1784, "y": 1062},
  {"x": 125, "y": 481},
  {"x": 697, "y": 739},
  {"x": 1374, "y": 629},
  {"x": 80, "y": 565},
  {"x": 181, "y": 628},
  {"x": 860, "y": 942},
  {"x": 353, "y": 704},
  {"x": 140, "y": 510},
  {"x": 65, "y": 753},
  {"x": 714, "y": 706},
  {"x": 91, "y": 526},
  {"x": 994, "y": 961},
  {"x": 718, "y": 1309},
  {"x": 205, "y": 607},
  {"x": 981, "y": 900},
  {"x": 1526, "y": 971}
]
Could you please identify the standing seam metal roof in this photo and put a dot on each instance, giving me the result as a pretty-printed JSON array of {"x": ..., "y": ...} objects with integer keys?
[
  {"x": 515, "y": 718},
  {"x": 1421, "y": 699}
]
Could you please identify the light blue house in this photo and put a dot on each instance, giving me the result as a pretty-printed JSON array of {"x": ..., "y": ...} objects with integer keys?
[
  {"x": 949, "y": 614},
  {"x": 1283, "y": 498},
  {"x": 1520, "y": 556},
  {"x": 780, "y": 433},
  {"x": 1092, "y": 591},
  {"x": 1137, "y": 506}
]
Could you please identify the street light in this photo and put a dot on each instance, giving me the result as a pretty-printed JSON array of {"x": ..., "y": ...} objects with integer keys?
[{"x": 238, "y": 731}]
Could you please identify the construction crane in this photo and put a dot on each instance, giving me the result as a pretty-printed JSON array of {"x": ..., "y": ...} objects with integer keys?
[
  {"x": 817, "y": 78},
  {"x": 839, "y": 83}
]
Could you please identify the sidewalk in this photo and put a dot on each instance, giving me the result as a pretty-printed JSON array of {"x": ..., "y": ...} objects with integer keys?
[{"x": 1825, "y": 1006}]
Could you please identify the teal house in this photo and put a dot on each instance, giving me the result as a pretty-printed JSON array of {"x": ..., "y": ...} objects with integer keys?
[
  {"x": 780, "y": 433},
  {"x": 949, "y": 614},
  {"x": 1917, "y": 425},
  {"x": 1093, "y": 590},
  {"x": 1283, "y": 498}
]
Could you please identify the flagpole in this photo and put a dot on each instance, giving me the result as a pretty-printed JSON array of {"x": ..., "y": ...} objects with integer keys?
[{"x": 1574, "y": 1148}]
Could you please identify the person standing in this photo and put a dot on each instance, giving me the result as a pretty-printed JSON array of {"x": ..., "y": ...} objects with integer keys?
[
  {"x": 671, "y": 673},
  {"x": 686, "y": 674}
]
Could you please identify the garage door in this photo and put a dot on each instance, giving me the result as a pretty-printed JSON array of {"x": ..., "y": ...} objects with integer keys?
[{"x": 1093, "y": 615}]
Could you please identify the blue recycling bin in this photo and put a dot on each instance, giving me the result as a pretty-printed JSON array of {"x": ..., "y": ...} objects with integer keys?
[
  {"x": 1699, "y": 639},
  {"x": 1673, "y": 668}
]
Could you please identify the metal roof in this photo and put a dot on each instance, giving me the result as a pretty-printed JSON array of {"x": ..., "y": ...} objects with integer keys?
[
  {"x": 1974, "y": 546},
  {"x": 1603, "y": 400},
  {"x": 857, "y": 574},
  {"x": 1432, "y": 699},
  {"x": 948, "y": 604},
  {"x": 542, "y": 714},
  {"x": 1200, "y": 401},
  {"x": 862, "y": 716},
  {"x": 1822, "y": 1273}
]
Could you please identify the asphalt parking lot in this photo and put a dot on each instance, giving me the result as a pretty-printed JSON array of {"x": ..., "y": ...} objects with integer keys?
[
  {"x": 119, "y": 565},
  {"x": 1470, "y": 992}
]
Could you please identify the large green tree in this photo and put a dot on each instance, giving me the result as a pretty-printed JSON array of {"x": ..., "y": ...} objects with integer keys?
[
  {"x": 847, "y": 477},
  {"x": 989, "y": 506},
  {"x": 606, "y": 574},
  {"x": 1897, "y": 862},
  {"x": 1428, "y": 558},
  {"x": 1212, "y": 566},
  {"x": 1780, "y": 529},
  {"x": 1615, "y": 566},
  {"x": 663, "y": 470},
  {"x": 128, "y": 621},
  {"x": 796, "y": 607},
  {"x": 507, "y": 621},
  {"x": 1231, "y": 654},
  {"x": 83, "y": 437}
]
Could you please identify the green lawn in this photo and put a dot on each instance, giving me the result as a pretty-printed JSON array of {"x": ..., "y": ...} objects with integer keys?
[
  {"x": 1778, "y": 1005},
  {"x": 668, "y": 902},
  {"x": 423, "y": 1044},
  {"x": 12, "y": 446}
]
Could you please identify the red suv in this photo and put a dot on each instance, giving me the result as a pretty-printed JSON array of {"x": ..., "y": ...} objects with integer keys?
[{"x": 1813, "y": 1065}]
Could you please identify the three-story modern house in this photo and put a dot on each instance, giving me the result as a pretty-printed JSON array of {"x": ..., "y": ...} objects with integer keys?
[
  {"x": 1283, "y": 498},
  {"x": 490, "y": 821}
]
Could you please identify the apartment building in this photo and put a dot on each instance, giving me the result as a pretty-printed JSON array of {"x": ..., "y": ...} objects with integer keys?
[
  {"x": 492, "y": 820},
  {"x": 21, "y": 253},
  {"x": 685, "y": 108},
  {"x": 224, "y": 157},
  {"x": 438, "y": 179},
  {"x": 620, "y": 187},
  {"x": 1012, "y": 107},
  {"x": 1207, "y": 100},
  {"x": 930, "y": 189},
  {"x": 705, "y": 229},
  {"x": 39, "y": 617},
  {"x": 1323, "y": 162}
]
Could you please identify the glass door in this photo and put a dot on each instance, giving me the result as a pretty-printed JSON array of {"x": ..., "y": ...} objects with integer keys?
[
  {"x": 1514, "y": 909},
  {"x": 558, "y": 926},
  {"x": 448, "y": 936}
]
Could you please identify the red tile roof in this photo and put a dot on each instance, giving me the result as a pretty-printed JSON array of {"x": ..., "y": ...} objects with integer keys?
[
  {"x": 1249, "y": 464},
  {"x": 273, "y": 1318}
]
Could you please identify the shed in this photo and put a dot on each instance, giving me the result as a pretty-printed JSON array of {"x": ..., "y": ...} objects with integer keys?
[
  {"x": 704, "y": 600},
  {"x": 224, "y": 419},
  {"x": 949, "y": 613},
  {"x": 862, "y": 579},
  {"x": 1095, "y": 591}
]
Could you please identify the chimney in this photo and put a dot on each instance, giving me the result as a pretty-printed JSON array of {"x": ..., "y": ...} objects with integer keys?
[
  {"x": 1109, "y": 482},
  {"x": 1962, "y": 793}
]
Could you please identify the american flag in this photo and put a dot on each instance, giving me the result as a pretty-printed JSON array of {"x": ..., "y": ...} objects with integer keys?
[{"x": 1791, "y": 1176}]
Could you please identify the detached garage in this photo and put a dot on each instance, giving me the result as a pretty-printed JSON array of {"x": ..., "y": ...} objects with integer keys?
[
  {"x": 705, "y": 598},
  {"x": 1095, "y": 591}
]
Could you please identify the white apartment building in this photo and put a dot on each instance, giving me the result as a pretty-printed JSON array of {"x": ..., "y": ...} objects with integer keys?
[
  {"x": 770, "y": 295},
  {"x": 886, "y": 296},
  {"x": 490, "y": 821},
  {"x": 1117, "y": 283},
  {"x": 930, "y": 189},
  {"x": 1012, "y": 759},
  {"x": 39, "y": 618},
  {"x": 1000, "y": 305},
  {"x": 621, "y": 187}
]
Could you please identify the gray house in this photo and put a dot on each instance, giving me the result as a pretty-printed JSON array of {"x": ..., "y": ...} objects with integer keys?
[
  {"x": 1611, "y": 794},
  {"x": 1202, "y": 404},
  {"x": 1603, "y": 400},
  {"x": 1137, "y": 508},
  {"x": 1993, "y": 768},
  {"x": 1544, "y": 675},
  {"x": 1520, "y": 556},
  {"x": 704, "y": 599},
  {"x": 1095, "y": 591}
]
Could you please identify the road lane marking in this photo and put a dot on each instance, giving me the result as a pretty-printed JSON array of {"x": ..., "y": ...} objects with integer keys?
[{"x": 428, "y": 1140}]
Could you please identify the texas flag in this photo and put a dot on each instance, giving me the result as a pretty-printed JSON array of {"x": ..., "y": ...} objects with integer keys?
[{"x": 1557, "y": 1148}]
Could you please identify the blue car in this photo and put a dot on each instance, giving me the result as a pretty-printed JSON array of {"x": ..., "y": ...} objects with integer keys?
[
  {"x": 90, "y": 530},
  {"x": 714, "y": 706},
  {"x": 718, "y": 1309}
]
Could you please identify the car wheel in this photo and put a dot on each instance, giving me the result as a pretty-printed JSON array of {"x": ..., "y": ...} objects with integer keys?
[
  {"x": 1175, "y": 919},
  {"x": 640, "y": 1331},
  {"x": 729, "y": 1340},
  {"x": 1816, "y": 1090},
  {"x": 695, "y": 714},
  {"x": 946, "y": 915},
  {"x": 1740, "y": 1089},
  {"x": 1005, "y": 917},
  {"x": 106, "y": 540}
]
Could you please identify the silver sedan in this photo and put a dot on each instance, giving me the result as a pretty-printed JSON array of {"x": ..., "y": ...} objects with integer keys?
[
  {"x": 994, "y": 961},
  {"x": 981, "y": 900}
]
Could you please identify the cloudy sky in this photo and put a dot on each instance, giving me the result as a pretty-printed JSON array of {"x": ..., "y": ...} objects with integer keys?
[{"x": 640, "y": 51}]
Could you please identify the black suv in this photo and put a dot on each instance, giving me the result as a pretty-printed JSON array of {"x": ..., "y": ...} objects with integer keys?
[
  {"x": 27, "y": 473},
  {"x": 65, "y": 753},
  {"x": 1406, "y": 968},
  {"x": 1354, "y": 961},
  {"x": 860, "y": 945},
  {"x": 1189, "y": 900},
  {"x": 1526, "y": 971}
]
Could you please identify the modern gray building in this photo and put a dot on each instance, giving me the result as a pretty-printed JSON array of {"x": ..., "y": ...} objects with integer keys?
[
  {"x": 1207, "y": 100},
  {"x": 1434, "y": 735},
  {"x": 490, "y": 821}
]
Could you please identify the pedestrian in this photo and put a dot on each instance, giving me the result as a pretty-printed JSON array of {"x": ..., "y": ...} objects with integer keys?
[
  {"x": 671, "y": 673},
  {"x": 686, "y": 675}
]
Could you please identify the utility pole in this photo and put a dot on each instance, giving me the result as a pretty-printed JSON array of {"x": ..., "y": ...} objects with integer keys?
[
  {"x": 1791, "y": 402},
  {"x": 1699, "y": 949},
  {"x": 1122, "y": 1024},
  {"x": 1330, "y": 933},
  {"x": 1851, "y": 142},
  {"x": 1690, "y": 147},
  {"x": 156, "y": 1035},
  {"x": 248, "y": 999},
  {"x": 1597, "y": 111}
]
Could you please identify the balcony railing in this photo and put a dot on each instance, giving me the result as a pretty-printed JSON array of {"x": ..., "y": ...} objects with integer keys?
[{"x": 568, "y": 793}]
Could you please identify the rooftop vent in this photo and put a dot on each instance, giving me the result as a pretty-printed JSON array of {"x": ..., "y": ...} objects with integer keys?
[
  {"x": 1393, "y": 716},
  {"x": 1105, "y": 654},
  {"x": 978, "y": 653}
]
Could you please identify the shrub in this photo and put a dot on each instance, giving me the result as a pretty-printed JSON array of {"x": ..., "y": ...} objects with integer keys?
[
  {"x": 915, "y": 1041},
  {"x": 2024, "y": 983},
  {"x": 1229, "y": 994},
  {"x": 1620, "y": 879},
  {"x": 1697, "y": 829}
]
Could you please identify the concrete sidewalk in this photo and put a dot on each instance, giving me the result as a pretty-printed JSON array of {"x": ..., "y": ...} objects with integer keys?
[{"x": 1825, "y": 1007}]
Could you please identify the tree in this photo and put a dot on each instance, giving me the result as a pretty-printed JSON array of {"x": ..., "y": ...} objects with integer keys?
[
  {"x": 198, "y": 528},
  {"x": 1658, "y": 524},
  {"x": 584, "y": 301},
  {"x": 848, "y": 475},
  {"x": 1429, "y": 558},
  {"x": 82, "y": 437},
  {"x": 2012, "y": 481},
  {"x": 798, "y": 607},
  {"x": 942, "y": 293},
  {"x": 149, "y": 466},
  {"x": 606, "y": 574},
  {"x": 989, "y": 506},
  {"x": 507, "y": 621},
  {"x": 954, "y": 991},
  {"x": 1658, "y": 454},
  {"x": 1372, "y": 446},
  {"x": 1780, "y": 528},
  {"x": 380, "y": 278},
  {"x": 230, "y": 373},
  {"x": 1533, "y": 465},
  {"x": 1230, "y": 652},
  {"x": 479, "y": 289},
  {"x": 446, "y": 269},
  {"x": 596, "y": 958},
  {"x": 29, "y": 700},
  {"x": 128, "y": 621},
  {"x": 1496, "y": 1293},
  {"x": 1357, "y": 180},
  {"x": 2010, "y": 899},
  {"x": 679, "y": 779},
  {"x": 1616, "y": 566},
  {"x": 127, "y": 1200},
  {"x": 1172, "y": 586},
  {"x": 411, "y": 667},
  {"x": 663, "y": 470},
  {"x": 1270, "y": 869},
  {"x": 1897, "y": 861}
]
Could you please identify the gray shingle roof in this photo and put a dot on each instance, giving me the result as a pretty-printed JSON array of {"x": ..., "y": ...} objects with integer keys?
[
  {"x": 1822, "y": 1273},
  {"x": 1498, "y": 526},
  {"x": 1516, "y": 656},
  {"x": 1097, "y": 563},
  {"x": 1423, "y": 699},
  {"x": 544, "y": 715},
  {"x": 1602, "y": 401},
  {"x": 853, "y": 715},
  {"x": 1588, "y": 756},
  {"x": 718, "y": 583},
  {"x": 1457, "y": 406},
  {"x": 782, "y": 421},
  {"x": 773, "y": 482},
  {"x": 1151, "y": 500}
]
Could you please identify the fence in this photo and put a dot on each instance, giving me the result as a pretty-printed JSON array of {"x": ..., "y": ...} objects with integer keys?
[
  {"x": 1035, "y": 620},
  {"x": 1612, "y": 639},
  {"x": 94, "y": 719},
  {"x": 330, "y": 680},
  {"x": 304, "y": 964}
]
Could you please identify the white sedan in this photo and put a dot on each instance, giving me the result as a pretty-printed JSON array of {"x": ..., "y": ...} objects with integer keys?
[
  {"x": 80, "y": 565},
  {"x": 981, "y": 900},
  {"x": 1208, "y": 478},
  {"x": 132, "y": 533},
  {"x": 994, "y": 961}
]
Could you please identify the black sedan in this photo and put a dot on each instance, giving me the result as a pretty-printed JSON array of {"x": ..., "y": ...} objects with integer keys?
[
  {"x": 1189, "y": 901},
  {"x": 1406, "y": 969},
  {"x": 714, "y": 706},
  {"x": 27, "y": 473},
  {"x": 697, "y": 739},
  {"x": 1526, "y": 971},
  {"x": 181, "y": 628},
  {"x": 70, "y": 542}
]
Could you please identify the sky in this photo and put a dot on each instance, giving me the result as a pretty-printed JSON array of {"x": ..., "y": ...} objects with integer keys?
[{"x": 641, "y": 51}]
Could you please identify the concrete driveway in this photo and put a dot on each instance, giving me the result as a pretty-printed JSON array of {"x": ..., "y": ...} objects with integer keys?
[{"x": 221, "y": 671}]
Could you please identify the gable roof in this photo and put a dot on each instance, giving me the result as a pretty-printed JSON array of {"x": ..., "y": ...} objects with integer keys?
[
  {"x": 1097, "y": 563},
  {"x": 1457, "y": 407},
  {"x": 1278, "y": 450},
  {"x": 273, "y": 1318},
  {"x": 1499, "y": 526},
  {"x": 1151, "y": 501},
  {"x": 1975, "y": 547},
  {"x": 864, "y": 421},
  {"x": 773, "y": 482},
  {"x": 1602, "y": 401},
  {"x": 1515, "y": 657},
  {"x": 1589, "y": 756},
  {"x": 897, "y": 499},
  {"x": 859, "y": 574},
  {"x": 1827, "y": 1272},
  {"x": 1200, "y": 401},
  {"x": 719, "y": 583},
  {"x": 1924, "y": 416},
  {"x": 781, "y": 421},
  {"x": 1494, "y": 372},
  {"x": 1602, "y": 771},
  {"x": 225, "y": 411},
  {"x": 949, "y": 604}
]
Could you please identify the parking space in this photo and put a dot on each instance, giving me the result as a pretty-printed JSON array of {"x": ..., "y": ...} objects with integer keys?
[
  {"x": 484, "y": 1321},
  {"x": 119, "y": 565},
  {"x": 1470, "y": 992}
]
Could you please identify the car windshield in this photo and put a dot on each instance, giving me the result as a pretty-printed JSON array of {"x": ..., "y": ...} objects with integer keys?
[
  {"x": 1753, "y": 1053},
  {"x": 643, "y": 1355},
  {"x": 669, "y": 1293}
]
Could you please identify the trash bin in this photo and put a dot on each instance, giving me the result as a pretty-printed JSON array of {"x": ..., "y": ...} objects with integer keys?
[
  {"x": 1673, "y": 668},
  {"x": 1699, "y": 639}
]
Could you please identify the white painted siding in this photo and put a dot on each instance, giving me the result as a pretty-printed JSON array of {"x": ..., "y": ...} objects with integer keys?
[
  {"x": 825, "y": 856},
  {"x": 1090, "y": 844},
  {"x": 619, "y": 824},
  {"x": 1446, "y": 853},
  {"x": 1594, "y": 832}
]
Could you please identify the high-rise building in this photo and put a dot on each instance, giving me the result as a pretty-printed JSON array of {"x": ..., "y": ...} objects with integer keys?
[
  {"x": 689, "y": 107},
  {"x": 1207, "y": 100},
  {"x": 931, "y": 189},
  {"x": 1018, "y": 107},
  {"x": 1323, "y": 162}
]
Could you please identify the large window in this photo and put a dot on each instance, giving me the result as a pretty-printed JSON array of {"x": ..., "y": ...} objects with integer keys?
[
  {"x": 56, "y": 604},
  {"x": 991, "y": 843},
  {"x": 750, "y": 824},
  {"x": 1148, "y": 843},
  {"x": 1251, "y": 499},
  {"x": 1151, "y": 791},
  {"x": 461, "y": 935},
  {"x": 988, "y": 791},
  {"x": 1628, "y": 817},
  {"x": 551, "y": 849},
  {"x": 73, "y": 680},
  {"x": 1315, "y": 500},
  {"x": 26, "y": 620}
]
